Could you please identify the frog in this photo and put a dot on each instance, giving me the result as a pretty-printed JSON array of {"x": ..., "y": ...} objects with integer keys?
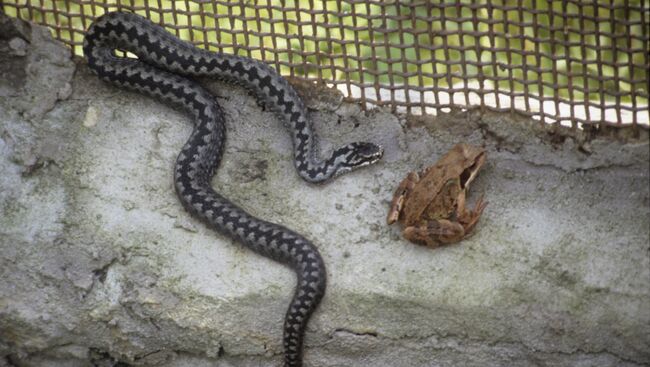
[{"x": 431, "y": 204}]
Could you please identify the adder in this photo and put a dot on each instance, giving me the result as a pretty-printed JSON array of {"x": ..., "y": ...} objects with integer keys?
[{"x": 164, "y": 69}]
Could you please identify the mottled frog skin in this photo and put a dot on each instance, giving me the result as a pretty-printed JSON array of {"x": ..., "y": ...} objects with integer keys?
[{"x": 430, "y": 204}]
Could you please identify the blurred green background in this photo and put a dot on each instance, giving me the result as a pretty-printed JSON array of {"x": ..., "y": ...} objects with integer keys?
[{"x": 513, "y": 40}]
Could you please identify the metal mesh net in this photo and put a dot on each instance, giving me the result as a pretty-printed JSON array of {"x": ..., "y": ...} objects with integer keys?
[{"x": 570, "y": 62}]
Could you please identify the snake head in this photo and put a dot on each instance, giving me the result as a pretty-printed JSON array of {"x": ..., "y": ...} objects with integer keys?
[{"x": 358, "y": 154}]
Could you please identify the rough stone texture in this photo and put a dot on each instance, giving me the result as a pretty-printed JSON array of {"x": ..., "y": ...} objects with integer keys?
[{"x": 99, "y": 263}]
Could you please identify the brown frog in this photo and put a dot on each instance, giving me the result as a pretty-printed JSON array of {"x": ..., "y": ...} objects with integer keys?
[{"x": 431, "y": 205}]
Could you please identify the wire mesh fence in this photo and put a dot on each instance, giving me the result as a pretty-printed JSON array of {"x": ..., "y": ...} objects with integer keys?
[{"x": 571, "y": 61}]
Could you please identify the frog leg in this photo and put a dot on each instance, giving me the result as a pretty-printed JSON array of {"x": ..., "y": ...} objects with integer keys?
[
  {"x": 469, "y": 218},
  {"x": 407, "y": 184},
  {"x": 434, "y": 233}
]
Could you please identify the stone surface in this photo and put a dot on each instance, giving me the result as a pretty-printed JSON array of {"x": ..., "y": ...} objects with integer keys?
[{"x": 99, "y": 263}]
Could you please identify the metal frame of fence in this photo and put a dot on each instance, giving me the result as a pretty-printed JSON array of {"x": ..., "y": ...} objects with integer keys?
[{"x": 571, "y": 61}]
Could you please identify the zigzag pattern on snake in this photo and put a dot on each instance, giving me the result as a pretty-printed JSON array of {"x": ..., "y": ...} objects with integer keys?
[{"x": 163, "y": 69}]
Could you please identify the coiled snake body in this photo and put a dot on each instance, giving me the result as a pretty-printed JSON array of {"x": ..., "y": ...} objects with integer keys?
[{"x": 162, "y": 70}]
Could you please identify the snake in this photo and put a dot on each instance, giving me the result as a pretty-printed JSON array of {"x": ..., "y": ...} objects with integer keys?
[{"x": 166, "y": 68}]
